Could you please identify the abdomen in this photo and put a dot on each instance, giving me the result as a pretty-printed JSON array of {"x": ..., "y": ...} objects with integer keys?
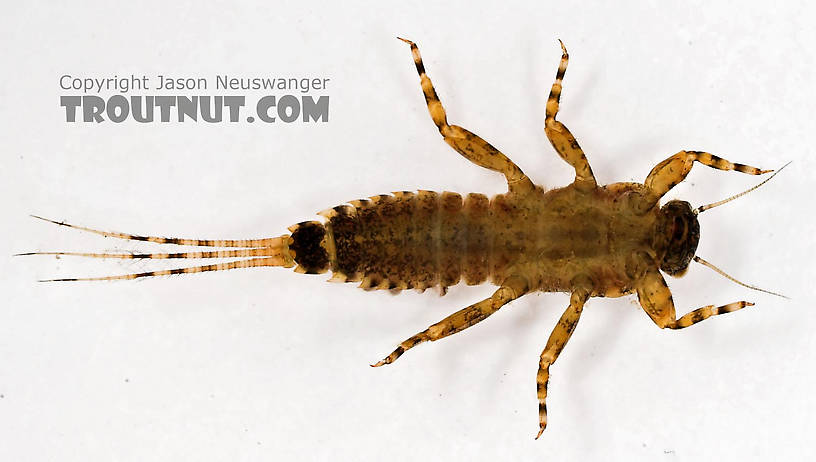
[{"x": 408, "y": 240}]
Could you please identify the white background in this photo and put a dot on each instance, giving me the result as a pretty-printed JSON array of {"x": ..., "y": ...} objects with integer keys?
[{"x": 262, "y": 364}]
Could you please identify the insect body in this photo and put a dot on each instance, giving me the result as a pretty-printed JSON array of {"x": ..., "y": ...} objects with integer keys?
[{"x": 583, "y": 239}]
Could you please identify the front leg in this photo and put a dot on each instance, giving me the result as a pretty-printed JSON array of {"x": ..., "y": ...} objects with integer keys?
[
  {"x": 673, "y": 170},
  {"x": 656, "y": 300}
]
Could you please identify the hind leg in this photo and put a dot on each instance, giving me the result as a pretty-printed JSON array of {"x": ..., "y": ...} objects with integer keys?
[
  {"x": 559, "y": 135},
  {"x": 513, "y": 288},
  {"x": 468, "y": 144}
]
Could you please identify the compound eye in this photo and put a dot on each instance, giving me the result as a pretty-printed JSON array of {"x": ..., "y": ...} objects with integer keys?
[{"x": 679, "y": 230}]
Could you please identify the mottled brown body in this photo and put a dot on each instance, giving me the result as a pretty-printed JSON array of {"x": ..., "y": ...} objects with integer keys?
[
  {"x": 425, "y": 239},
  {"x": 584, "y": 239}
]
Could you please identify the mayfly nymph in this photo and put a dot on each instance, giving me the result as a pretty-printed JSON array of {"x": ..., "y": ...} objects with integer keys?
[{"x": 584, "y": 239}]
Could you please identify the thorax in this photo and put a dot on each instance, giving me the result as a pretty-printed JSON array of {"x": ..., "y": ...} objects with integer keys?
[{"x": 556, "y": 235}]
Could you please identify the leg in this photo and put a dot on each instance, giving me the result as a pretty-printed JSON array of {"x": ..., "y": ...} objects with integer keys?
[
  {"x": 673, "y": 170},
  {"x": 656, "y": 300},
  {"x": 469, "y": 145},
  {"x": 558, "y": 338},
  {"x": 561, "y": 138},
  {"x": 513, "y": 288}
]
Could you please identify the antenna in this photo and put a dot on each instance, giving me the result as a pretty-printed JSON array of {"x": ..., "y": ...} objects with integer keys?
[
  {"x": 722, "y": 273},
  {"x": 703, "y": 208}
]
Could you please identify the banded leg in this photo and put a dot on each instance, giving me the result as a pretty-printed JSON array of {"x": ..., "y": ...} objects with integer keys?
[
  {"x": 513, "y": 288},
  {"x": 559, "y": 135},
  {"x": 670, "y": 172},
  {"x": 468, "y": 144},
  {"x": 656, "y": 299},
  {"x": 558, "y": 338}
]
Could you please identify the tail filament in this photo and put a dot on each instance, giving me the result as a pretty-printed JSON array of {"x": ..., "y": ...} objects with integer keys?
[{"x": 256, "y": 252}]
